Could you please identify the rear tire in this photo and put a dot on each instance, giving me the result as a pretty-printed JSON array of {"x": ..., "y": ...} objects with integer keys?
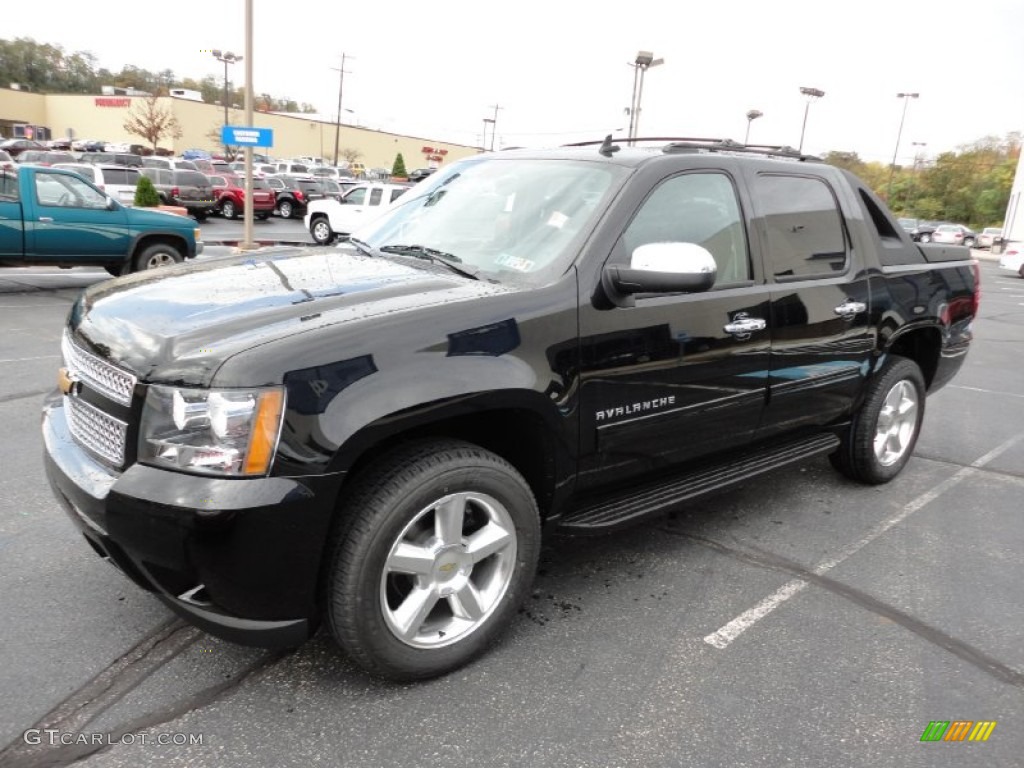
[
  {"x": 437, "y": 550},
  {"x": 285, "y": 209},
  {"x": 155, "y": 256},
  {"x": 926, "y": 238},
  {"x": 969, "y": 242},
  {"x": 884, "y": 431},
  {"x": 227, "y": 210}
]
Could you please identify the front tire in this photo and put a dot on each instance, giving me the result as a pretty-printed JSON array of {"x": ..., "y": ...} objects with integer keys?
[
  {"x": 320, "y": 229},
  {"x": 439, "y": 551},
  {"x": 884, "y": 431},
  {"x": 156, "y": 256}
]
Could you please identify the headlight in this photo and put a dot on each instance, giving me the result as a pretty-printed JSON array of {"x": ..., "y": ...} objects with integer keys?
[{"x": 211, "y": 431}]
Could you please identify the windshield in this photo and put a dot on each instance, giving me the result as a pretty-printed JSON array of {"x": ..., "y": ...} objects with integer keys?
[{"x": 508, "y": 217}]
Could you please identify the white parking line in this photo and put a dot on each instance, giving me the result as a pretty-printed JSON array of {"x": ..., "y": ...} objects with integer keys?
[
  {"x": 722, "y": 637},
  {"x": 25, "y": 359},
  {"x": 986, "y": 391}
]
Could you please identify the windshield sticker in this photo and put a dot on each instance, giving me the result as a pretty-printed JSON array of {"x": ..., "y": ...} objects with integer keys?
[
  {"x": 514, "y": 262},
  {"x": 557, "y": 219}
]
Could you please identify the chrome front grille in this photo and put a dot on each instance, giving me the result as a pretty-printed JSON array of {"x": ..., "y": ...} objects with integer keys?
[
  {"x": 102, "y": 376},
  {"x": 101, "y": 433}
]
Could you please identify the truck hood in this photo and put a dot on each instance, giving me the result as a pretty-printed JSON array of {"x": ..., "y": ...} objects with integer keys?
[{"x": 177, "y": 325}]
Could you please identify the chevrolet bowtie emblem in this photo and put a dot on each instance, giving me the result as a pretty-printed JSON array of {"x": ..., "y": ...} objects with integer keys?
[{"x": 68, "y": 381}]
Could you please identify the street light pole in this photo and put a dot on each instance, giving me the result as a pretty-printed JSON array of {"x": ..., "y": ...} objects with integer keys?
[
  {"x": 913, "y": 175},
  {"x": 899, "y": 134},
  {"x": 483, "y": 144},
  {"x": 752, "y": 115},
  {"x": 644, "y": 61},
  {"x": 812, "y": 94},
  {"x": 247, "y": 212},
  {"x": 494, "y": 125},
  {"x": 228, "y": 58}
]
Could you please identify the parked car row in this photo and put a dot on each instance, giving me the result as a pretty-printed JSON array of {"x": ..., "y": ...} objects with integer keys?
[{"x": 922, "y": 231}]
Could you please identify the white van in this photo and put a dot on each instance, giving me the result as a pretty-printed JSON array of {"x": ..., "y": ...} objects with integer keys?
[{"x": 118, "y": 181}]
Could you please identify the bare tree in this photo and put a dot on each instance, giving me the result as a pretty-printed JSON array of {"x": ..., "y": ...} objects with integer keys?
[
  {"x": 350, "y": 154},
  {"x": 152, "y": 121}
]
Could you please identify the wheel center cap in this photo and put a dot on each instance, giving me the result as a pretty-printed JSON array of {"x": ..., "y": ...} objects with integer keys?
[{"x": 451, "y": 570}]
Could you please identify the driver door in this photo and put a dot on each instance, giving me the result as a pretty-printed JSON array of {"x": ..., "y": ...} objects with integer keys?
[
  {"x": 73, "y": 220},
  {"x": 673, "y": 377}
]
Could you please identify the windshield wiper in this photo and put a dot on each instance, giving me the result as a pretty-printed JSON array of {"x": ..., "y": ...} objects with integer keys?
[
  {"x": 363, "y": 247},
  {"x": 432, "y": 255}
]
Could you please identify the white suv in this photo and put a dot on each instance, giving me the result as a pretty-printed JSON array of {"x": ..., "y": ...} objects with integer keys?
[{"x": 118, "y": 181}]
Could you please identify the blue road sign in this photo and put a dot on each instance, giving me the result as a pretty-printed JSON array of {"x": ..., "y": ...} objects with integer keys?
[{"x": 238, "y": 136}]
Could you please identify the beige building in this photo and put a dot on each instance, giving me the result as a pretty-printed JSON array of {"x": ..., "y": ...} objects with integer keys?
[{"x": 32, "y": 115}]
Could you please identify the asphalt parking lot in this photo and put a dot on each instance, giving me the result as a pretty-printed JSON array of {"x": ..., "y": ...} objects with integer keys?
[{"x": 799, "y": 619}]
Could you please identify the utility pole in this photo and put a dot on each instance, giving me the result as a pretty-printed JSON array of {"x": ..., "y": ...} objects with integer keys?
[
  {"x": 494, "y": 124},
  {"x": 341, "y": 86}
]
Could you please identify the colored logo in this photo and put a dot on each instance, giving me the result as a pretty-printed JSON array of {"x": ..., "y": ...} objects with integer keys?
[{"x": 958, "y": 730}]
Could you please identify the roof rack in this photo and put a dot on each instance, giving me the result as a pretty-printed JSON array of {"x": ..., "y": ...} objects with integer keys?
[{"x": 675, "y": 144}]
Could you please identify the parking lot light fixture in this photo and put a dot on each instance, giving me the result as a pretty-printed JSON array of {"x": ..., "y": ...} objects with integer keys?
[
  {"x": 644, "y": 61},
  {"x": 752, "y": 115},
  {"x": 899, "y": 134},
  {"x": 228, "y": 58},
  {"x": 812, "y": 94}
]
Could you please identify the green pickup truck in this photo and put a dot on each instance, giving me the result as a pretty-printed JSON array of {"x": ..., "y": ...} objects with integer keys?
[{"x": 55, "y": 218}]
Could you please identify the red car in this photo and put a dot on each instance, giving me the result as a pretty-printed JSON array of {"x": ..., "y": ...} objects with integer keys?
[{"x": 230, "y": 196}]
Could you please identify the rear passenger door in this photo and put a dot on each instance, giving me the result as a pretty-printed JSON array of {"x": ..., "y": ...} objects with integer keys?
[{"x": 821, "y": 339}]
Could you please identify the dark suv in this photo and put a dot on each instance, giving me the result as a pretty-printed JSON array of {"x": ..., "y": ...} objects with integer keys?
[
  {"x": 188, "y": 189},
  {"x": 291, "y": 197}
]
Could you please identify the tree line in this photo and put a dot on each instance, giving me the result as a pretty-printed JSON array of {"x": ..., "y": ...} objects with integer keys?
[
  {"x": 47, "y": 68},
  {"x": 969, "y": 186}
]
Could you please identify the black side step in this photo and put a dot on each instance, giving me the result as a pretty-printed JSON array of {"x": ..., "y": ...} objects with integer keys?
[{"x": 628, "y": 506}]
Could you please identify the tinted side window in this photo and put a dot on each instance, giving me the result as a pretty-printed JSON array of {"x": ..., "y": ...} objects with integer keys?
[
  {"x": 191, "y": 178},
  {"x": 803, "y": 225},
  {"x": 699, "y": 208},
  {"x": 356, "y": 196},
  {"x": 375, "y": 196},
  {"x": 396, "y": 193},
  {"x": 121, "y": 176}
]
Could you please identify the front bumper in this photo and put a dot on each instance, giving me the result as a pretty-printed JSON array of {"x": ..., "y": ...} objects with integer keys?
[{"x": 239, "y": 558}]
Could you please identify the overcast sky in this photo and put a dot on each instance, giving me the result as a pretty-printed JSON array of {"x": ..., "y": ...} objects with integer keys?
[{"x": 560, "y": 69}]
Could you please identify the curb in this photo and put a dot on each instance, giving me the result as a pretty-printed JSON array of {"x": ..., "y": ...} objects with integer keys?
[{"x": 261, "y": 243}]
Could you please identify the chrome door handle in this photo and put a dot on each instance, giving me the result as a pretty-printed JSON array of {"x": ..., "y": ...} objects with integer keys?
[
  {"x": 742, "y": 326},
  {"x": 850, "y": 308},
  {"x": 46, "y": 218}
]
